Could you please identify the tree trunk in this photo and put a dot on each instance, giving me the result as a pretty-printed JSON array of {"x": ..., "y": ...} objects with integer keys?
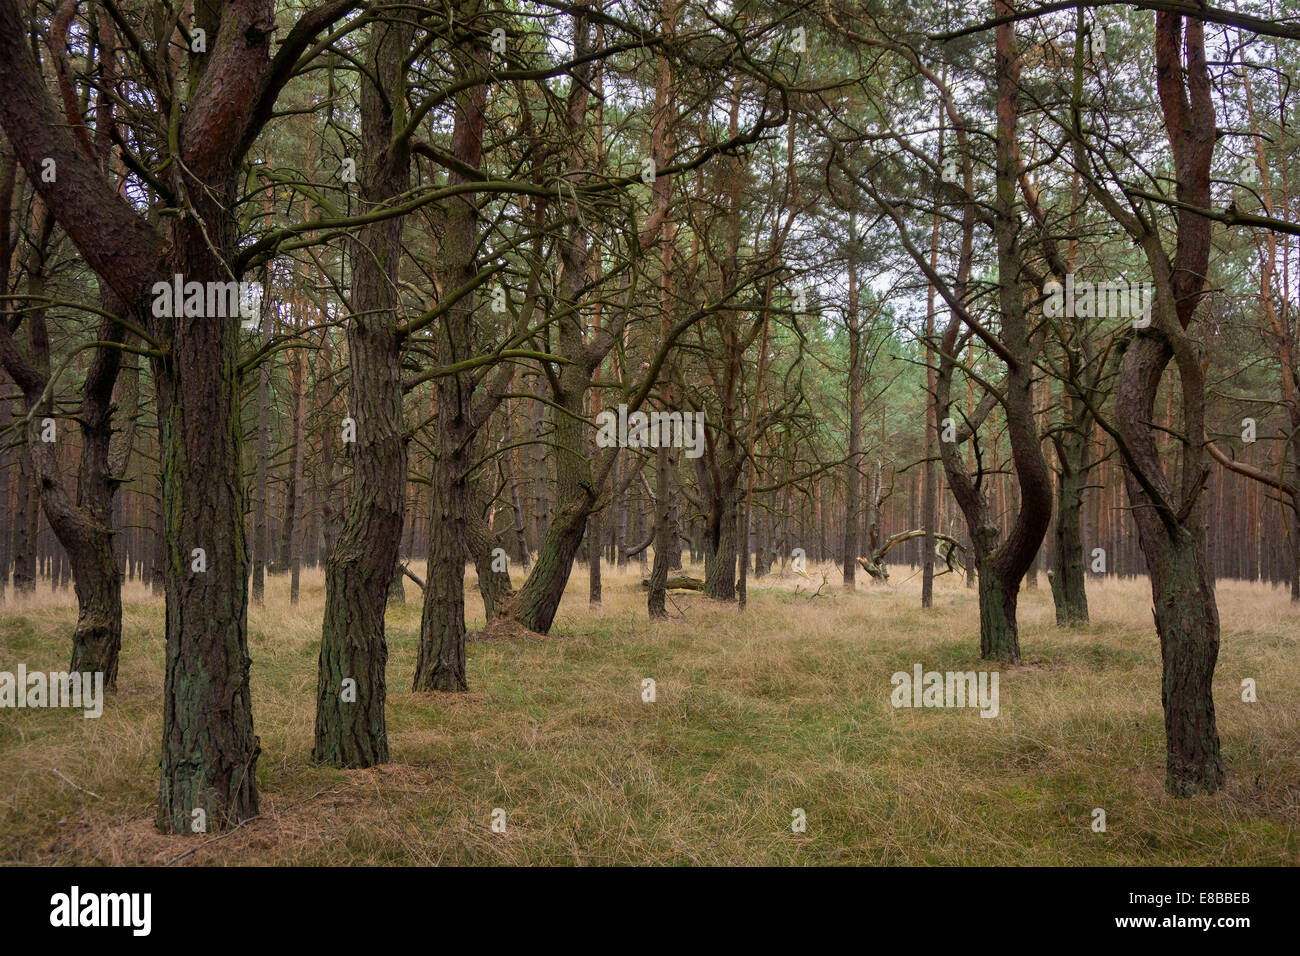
[
  {"x": 24, "y": 536},
  {"x": 853, "y": 467},
  {"x": 209, "y": 753},
  {"x": 260, "y": 531},
  {"x": 1069, "y": 588},
  {"x": 720, "y": 546},
  {"x": 350, "y": 689},
  {"x": 665, "y": 534},
  {"x": 441, "y": 661},
  {"x": 999, "y": 635},
  {"x": 594, "y": 586}
]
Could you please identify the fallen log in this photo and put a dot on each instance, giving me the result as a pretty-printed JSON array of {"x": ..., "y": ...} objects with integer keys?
[{"x": 678, "y": 582}]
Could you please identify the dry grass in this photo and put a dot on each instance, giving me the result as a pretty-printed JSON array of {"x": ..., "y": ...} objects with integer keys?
[{"x": 784, "y": 707}]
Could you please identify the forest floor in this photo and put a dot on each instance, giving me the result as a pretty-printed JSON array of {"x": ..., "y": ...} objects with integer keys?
[{"x": 786, "y": 706}]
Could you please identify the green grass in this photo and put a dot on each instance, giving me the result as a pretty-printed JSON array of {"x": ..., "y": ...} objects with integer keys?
[{"x": 783, "y": 707}]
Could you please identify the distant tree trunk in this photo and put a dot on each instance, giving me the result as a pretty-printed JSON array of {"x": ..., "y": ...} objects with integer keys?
[
  {"x": 325, "y": 476},
  {"x": 594, "y": 587},
  {"x": 158, "y": 554},
  {"x": 516, "y": 506},
  {"x": 290, "y": 560},
  {"x": 24, "y": 546},
  {"x": 929, "y": 479},
  {"x": 853, "y": 466},
  {"x": 260, "y": 530},
  {"x": 540, "y": 456},
  {"x": 396, "y": 589},
  {"x": 493, "y": 581},
  {"x": 665, "y": 534}
]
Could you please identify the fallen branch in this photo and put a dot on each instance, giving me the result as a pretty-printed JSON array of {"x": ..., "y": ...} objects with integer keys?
[
  {"x": 947, "y": 548},
  {"x": 59, "y": 773},
  {"x": 410, "y": 574}
]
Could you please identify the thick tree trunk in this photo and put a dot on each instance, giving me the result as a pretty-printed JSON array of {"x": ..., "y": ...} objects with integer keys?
[
  {"x": 209, "y": 753},
  {"x": 539, "y": 597},
  {"x": 720, "y": 547},
  {"x": 1187, "y": 620},
  {"x": 1171, "y": 520},
  {"x": 1002, "y": 566},
  {"x": 999, "y": 635},
  {"x": 578, "y": 485}
]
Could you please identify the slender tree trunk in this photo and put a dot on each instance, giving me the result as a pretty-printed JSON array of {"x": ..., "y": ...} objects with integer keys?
[
  {"x": 594, "y": 586},
  {"x": 853, "y": 467},
  {"x": 351, "y": 690},
  {"x": 665, "y": 534},
  {"x": 260, "y": 530},
  {"x": 516, "y": 506},
  {"x": 24, "y": 538},
  {"x": 441, "y": 661}
]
